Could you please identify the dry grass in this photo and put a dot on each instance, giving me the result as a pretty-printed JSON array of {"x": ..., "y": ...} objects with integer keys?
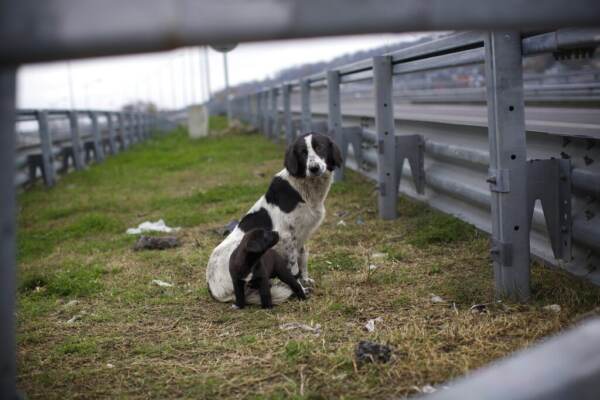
[{"x": 137, "y": 340}]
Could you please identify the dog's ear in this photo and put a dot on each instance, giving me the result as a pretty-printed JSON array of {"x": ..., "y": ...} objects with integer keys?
[
  {"x": 291, "y": 161},
  {"x": 334, "y": 156}
]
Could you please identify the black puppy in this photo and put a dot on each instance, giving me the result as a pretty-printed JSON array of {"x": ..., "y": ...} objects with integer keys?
[{"x": 255, "y": 263}]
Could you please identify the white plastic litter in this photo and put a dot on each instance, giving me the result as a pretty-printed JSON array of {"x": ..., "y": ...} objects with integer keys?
[
  {"x": 341, "y": 223},
  {"x": 288, "y": 326},
  {"x": 437, "y": 299},
  {"x": 373, "y": 267},
  {"x": 160, "y": 283},
  {"x": 376, "y": 256},
  {"x": 370, "y": 325},
  {"x": 158, "y": 226},
  {"x": 109, "y": 365},
  {"x": 553, "y": 307}
]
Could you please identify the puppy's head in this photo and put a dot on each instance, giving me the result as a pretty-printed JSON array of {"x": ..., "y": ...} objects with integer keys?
[
  {"x": 260, "y": 240},
  {"x": 312, "y": 155}
]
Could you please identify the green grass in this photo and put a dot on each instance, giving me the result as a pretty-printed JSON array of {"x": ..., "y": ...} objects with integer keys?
[{"x": 133, "y": 339}]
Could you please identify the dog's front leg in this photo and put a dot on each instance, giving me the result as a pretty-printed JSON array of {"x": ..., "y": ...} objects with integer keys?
[{"x": 303, "y": 266}]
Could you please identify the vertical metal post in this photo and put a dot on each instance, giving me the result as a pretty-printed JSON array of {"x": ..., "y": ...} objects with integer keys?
[
  {"x": 508, "y": 164},
  {"x": 111, "y": 133},
  {"x": 227, "y": 101},
  {"x": 286, "y": 90},
  {"x": 305, "y": 101},
  {"x": 137, "y": 126},
  {"x": 386, "y": 140},
  {"x": 123, "y": 130},
  {"x": 131, "y": 134},
  {"x": 97, "y": 135},
  {"x": 47, "y": 150},
  {"x": 264, "y": 102},
  {"x": 268, "y": 115},
  {"x": 273, "y": 113},
  {"x": 7, "y": 234},
  {"x": 334, "y": 118},
  {"x": 78, "y": 159}
]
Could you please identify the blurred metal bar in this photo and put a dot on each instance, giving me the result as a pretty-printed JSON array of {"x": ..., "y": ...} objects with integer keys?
[
  {"x": 305, "y": 101},
  {"x": 287, "y": 113},
  {"x": 111, "y": 133},
  {"x": 49, "y": 174},
  {"x": 386, "y": 145},
  {"x": 8, "y": 214},
  {"x": 97, "y": 135},
  {"x": 78, "y": 158},
  {"x": 58, "y": 29},
  {"x": 564, "y": 367},
  {"x": 334, "y": 118},
  {"x": 508, "y": 165}
]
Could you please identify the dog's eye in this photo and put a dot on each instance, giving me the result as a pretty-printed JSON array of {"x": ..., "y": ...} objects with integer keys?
[
  {"x": 304, "y": 152},
  {"x": 316, "y": 147}
]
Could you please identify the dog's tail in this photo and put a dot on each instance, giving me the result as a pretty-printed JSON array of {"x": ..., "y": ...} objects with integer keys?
[{"x": 280, "y": 292}]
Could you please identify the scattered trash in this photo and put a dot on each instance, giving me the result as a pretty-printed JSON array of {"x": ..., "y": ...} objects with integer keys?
[
  {"x": 377, "y": 256},
  {"x": 341, "y": 213},
  {"x": 552, "y": 307},
  {"x": 160, "y": 283},
  {"x": 372, "y": 352},
  {"x": 370, "y": 325},
  {"x": 360, "y": 221},
  {"x": 156, "y": 243},
  {"x": 437, "y": 299},
  {"x": 227, "y": 229},
  {"x": 478, "y": 308},
  {"x": 71, "y": 303},
  {"x": 428, "y": 389},
  {"x": 373, "y": 267},
  {"x": 288, "y": 326},
  {"x": 158, "y": 226},
  {"x": 109, "y": 365},
  {"x": 76, "y": 317},
  {"x": 341, "y": 223}
]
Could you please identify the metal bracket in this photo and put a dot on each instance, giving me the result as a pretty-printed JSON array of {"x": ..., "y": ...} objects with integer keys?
[
  {"x": 499, "y": 180},
  {"x": 550, "y": 181},
  {"x": 501, "y": 252},
  {"x": 411, "y": 147}
]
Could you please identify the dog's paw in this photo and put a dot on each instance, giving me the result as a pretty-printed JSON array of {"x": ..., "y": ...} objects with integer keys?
[
  {"x": 235, "y": 307},
  {"x": 307, "y": 282}
]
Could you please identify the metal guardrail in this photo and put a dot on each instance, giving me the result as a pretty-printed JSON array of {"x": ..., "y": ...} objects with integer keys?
[
  {"x": 53, "y": 152},
  {"x": 460, "y": 170}
]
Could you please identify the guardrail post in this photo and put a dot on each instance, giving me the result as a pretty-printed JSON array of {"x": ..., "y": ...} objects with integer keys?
[
  {"x": 386, "y": 139},
  {"x": 286, "y": 90},
  {"x": 8, "y": 214},
  {"x": 131, "y": 134},
  {"x": 508, "y": 164},
  {"x": 139, "y": 128},
  {"x": 111, "y": 133},
  {"x": 334, "y": 119},
  {"x": 97, "y": 135},
  {"x": 273, "y": 113},
  {"x": 264, "y": 111},
  {"x": 47, "y": 150},
  {"x": 122, "y": 131},
  {"x": 305, "y": 101},
  {"x": 78, "y": 158},
  {"x": 268, "y": 113}
]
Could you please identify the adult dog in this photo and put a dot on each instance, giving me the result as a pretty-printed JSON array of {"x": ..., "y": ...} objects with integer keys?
[{"x": 293, "y": 206}]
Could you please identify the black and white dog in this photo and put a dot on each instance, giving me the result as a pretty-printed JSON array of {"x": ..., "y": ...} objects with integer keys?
[{"x": 293, "y": 207}]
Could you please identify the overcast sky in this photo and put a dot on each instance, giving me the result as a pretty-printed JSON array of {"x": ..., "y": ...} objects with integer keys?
[{"x": 174, "y": 78}]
